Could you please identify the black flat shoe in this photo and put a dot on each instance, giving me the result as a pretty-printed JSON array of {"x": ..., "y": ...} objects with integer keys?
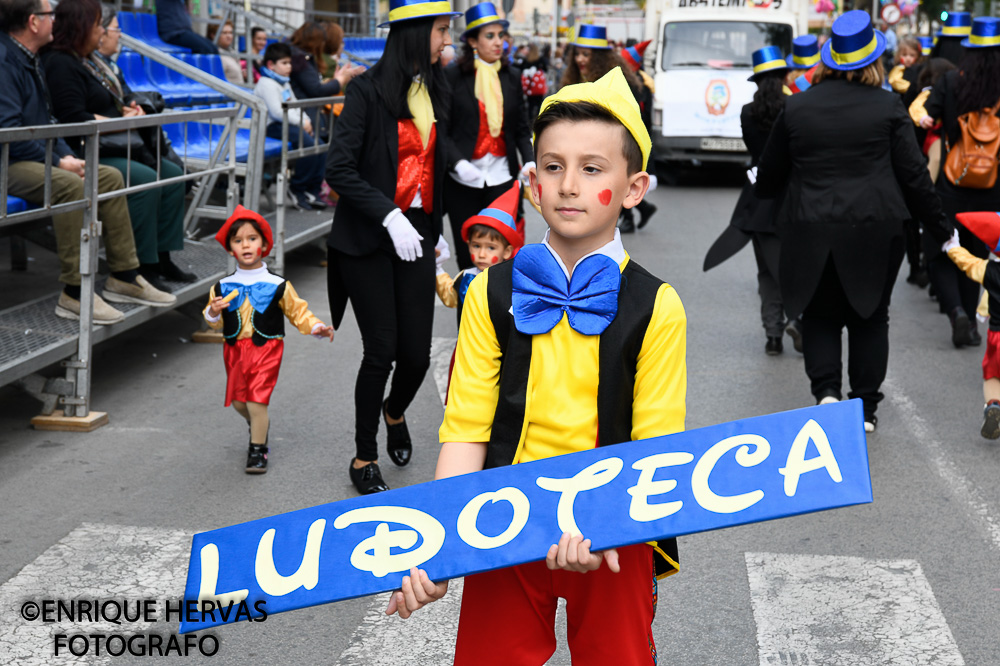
[
  {"x": 645, "y": 212},
  {"x": 171, "y": 271},
  {"x": 367, "y": 479},
  {"x": 774, "y": 346},
  {"x": 397, "y": 440},
  {"x": 257, "y": 459},
  {"x": 794, "y": 331}
]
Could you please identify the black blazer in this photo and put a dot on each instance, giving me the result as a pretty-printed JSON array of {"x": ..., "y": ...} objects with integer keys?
[
  {"x": 361, "y": 168},
  {"x": 753, "y": 214},
  {"x": 854, "y": 174},
  {"x": 465, "y": 107},
  {"x": 306, "y": 80}
]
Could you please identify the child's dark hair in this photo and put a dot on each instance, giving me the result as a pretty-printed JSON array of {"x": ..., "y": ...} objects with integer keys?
[
  {"x": 276, "y": 51},
  {"x": 238, "y": 224},
  {"x": 579, "y": 111},
  {"x": 933, "y": 71},
  {"x": 477, "y": 230}
]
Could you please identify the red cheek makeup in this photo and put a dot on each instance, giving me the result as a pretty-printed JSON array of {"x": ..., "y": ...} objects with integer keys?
[{"x": 604, "y": 197}]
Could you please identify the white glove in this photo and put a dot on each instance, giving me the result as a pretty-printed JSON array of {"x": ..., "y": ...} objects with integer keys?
[
  {"x": 951, "y": 242},
  {"x": 653, "y": 182},
  {"x": 467, "y": 172},
  {"x": 442, "y": 252},
  {"x": 752, "y": 175},
  {"x": 404, "y": 237},
  {"x": 525, "y": 181}
]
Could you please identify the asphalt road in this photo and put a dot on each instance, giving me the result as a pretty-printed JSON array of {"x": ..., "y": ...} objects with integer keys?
[{"x": 913, "y": 578}]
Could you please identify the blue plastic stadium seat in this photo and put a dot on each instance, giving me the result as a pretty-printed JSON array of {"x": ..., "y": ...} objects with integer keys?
[
  {"x": 16, "y": 205},
  {"x": 151, "y": 34},
  {"x": 134, "y": 71},
  {"x": 129, "y": 24}
]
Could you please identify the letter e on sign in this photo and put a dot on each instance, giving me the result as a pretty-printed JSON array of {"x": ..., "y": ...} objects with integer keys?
[{"x": 639, "y": 509}]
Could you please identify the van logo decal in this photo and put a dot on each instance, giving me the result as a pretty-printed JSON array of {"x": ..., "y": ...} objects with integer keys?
[{"x": 717, "y": 96}]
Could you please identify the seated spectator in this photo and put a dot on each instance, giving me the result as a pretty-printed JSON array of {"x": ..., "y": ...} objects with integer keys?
[
  {"x": 230, "y": 59},
  {"x": 310, "y": 76},
  {"x": 274, "y": 88},
  {"x": 258, "y": 42},
  {"x": 173, "y": 21},
  {"x": 25, "y": 27},
  {"x": 86, "y": 92}
]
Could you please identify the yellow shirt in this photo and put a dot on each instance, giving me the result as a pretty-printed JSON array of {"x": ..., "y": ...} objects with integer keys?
[
  {"x": 561, "y": 408},
  {"x": 296, "y": 309}
]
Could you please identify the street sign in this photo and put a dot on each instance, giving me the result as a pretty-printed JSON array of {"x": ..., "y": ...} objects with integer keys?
[
  {"x": 891, "y": 13},
  {"x": 508, "y": 7}
]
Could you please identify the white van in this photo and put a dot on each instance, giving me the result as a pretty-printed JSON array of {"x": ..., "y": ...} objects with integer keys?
[{"x": 701, "y": 64}]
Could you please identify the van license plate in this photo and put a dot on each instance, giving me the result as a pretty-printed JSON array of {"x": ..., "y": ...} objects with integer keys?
[{"x": 734, "y": 145}]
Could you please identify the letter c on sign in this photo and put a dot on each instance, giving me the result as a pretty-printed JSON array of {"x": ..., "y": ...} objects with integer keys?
[
  {"x": 699, "y": 478},
  {"x": 467, "y": 518}
]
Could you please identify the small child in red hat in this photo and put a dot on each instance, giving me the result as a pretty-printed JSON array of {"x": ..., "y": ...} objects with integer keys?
[
  {"x": 249, "y": 306},
  {"x": 986, "y": 227}
]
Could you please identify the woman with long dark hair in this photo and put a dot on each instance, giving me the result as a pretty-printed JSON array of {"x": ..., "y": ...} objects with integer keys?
[
  {"x": 589, "y": 57},
  {"x": 974, "y": 86},
  {"x": 489, "y": 124},
  {"x": 845, "y": 159},
  {"x": 387, "y": 162}
]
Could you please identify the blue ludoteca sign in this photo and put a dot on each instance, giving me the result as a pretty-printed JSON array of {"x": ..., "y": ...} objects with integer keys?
[{"x": 736, "y": 473}]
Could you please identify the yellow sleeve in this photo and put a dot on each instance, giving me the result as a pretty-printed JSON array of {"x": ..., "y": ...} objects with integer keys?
[
  {"x": 297, "y": 311},
  {"x": 658, "y": 401},
  {"x": 475, "y": 379},
  {"x": 214, "y": 325},
  {"x": 896, "y": 80},
  {"x": 446, "y": 290},
  {"x": 984, "y": 305},
  {"x": 917, "y": 110},
  {"x": 972, "y": 266}
]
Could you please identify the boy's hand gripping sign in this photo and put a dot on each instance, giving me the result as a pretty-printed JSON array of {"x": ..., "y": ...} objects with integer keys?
[{"x": 736, "y": 473}]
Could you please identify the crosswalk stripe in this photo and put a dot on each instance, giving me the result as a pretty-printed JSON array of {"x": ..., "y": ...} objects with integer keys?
[
  {"x": 93, "y": 562},
  {"x": 849, "y": 611}
]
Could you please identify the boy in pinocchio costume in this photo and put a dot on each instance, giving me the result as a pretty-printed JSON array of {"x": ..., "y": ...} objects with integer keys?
[
  {"x": 249, "y": 306},
  {"x": 568, "y": 346},
  {"x": 986, "y": 227}
]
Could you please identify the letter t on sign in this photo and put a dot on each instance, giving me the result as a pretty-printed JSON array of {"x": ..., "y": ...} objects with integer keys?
[{"x": 599, "y": 474}]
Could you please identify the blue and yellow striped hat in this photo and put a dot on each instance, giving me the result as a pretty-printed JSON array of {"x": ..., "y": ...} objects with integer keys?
[
  {"x": 956, "y": 24},
  {"x": 985, "y": 33},
  {"x": 405, "y": 10},
  {"x": 482, "y": 14},
  {"x": 926, "y": 44},
  {"x": 805, "y": 52},
  {"x": 767, "y": 59},
  {"x": 854, "y": 43},
  {"x": 591, "y": 37}
]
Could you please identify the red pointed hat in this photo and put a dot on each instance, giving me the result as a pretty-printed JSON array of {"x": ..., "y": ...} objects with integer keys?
[
  {"x": 985, "y": 225},
  {"x": 500, "y": 215},
  {"x": 242, "y": 213},
  {"x": 633, "y": 55}
]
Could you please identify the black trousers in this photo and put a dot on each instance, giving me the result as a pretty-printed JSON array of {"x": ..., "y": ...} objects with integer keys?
[
  {"x": 393, "y": 302},
  {"x": 461, "y": 203},
  {"x": 954, "y": 289},
  {"x": 766, "y": 248},
  {"x": 823, "y": 321}
]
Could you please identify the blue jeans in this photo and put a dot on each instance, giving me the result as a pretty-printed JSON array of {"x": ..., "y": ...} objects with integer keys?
[
  {"x": 308, "y": 171},
  {"x": 192, "y": 40}
]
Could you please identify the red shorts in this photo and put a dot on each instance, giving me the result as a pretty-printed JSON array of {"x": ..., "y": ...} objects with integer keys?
[
  {"x": 508, "y": 615},
  {"x": 251, "y": 371},
  {"x": 991, "y": 359}
]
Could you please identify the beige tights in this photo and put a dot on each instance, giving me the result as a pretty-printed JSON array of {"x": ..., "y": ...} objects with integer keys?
[
  {"x": 991, "y": 390},
  {"x": 255, "y": 414}
]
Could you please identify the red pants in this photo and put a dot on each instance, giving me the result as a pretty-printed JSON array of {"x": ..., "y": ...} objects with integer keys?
[
  {"x": 991, "y": 359},
  {"x": 251, "y": 371},
  {"x": 508, "y": 615}
]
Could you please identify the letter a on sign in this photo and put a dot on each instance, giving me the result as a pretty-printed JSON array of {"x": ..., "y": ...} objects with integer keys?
[{"x": 796, "y": 464}]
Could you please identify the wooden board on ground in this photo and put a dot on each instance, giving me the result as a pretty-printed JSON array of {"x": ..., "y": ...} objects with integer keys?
[{"x": 57, "y": 421}]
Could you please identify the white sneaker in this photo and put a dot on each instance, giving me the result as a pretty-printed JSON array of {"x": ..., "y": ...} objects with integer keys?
[{"x": 828, "y": 400}]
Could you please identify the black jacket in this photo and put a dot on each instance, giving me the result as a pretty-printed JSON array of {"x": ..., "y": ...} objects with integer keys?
[
  {"x": 465, "y": 111},
  {"x": 361, "y": 168},
  {"x": 24, "y": 103},
  {"x": 752, "y": 213},
  {"x": 847, "y": 154},
  {"x": 306, "y": 80}
]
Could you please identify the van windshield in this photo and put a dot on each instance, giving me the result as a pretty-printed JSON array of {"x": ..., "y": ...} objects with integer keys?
[{"x": 719, "y": 44}]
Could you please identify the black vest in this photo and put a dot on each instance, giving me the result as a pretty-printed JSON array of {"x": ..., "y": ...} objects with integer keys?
[
  {"x": 620, "y": 344},
  {"x": 267, "y": 325}
]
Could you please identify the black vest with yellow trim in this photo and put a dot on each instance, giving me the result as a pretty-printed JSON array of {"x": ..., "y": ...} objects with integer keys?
[
  {"x": 620, "y": 344},
  {"x": 267, "y": 325}
]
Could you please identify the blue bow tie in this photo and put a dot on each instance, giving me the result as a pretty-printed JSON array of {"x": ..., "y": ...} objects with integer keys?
[
  {"x": 542, "y": 293},
  {"x": 260, "y": 294}
]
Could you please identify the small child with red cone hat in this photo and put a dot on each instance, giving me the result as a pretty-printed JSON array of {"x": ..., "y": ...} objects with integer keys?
[
  {"x": 986, "y": 227},
  {"x": 247, "y": 307}
]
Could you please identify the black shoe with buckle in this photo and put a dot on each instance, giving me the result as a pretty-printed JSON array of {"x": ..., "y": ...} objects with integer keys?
[
  {"x": 367, "y": 479},
  {"x": 397, "y": 440},
  {"x": 257, "y": 459}
]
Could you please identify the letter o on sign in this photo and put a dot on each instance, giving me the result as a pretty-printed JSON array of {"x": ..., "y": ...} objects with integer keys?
[{"x": 471, "y": 535}]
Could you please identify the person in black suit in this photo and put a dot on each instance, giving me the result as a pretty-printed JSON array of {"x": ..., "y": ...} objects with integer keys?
[
  {"x": 489, "y": 124},
  {"x": 386, "y": 161},
  {"x": 845, "y": 156}
]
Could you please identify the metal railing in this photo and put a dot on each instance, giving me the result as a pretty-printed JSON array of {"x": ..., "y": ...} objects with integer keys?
[
  {"x": 352, "y": 23},
  {"x": 79, "y": 366}
]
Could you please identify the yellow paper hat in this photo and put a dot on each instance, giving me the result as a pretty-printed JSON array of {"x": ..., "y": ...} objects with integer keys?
[{"x": 610, "y": 92}]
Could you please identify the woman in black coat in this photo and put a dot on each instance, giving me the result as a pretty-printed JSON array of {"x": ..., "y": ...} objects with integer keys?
[
  {"x": 845, "y": 156},
  {"x": 386, "y": 162},
  {"x": 485, "y": 135},
  {"x": 974, "y": 86}
]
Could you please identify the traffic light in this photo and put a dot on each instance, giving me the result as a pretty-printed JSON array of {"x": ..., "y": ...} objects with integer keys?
[{"x": 944, "y": 16}]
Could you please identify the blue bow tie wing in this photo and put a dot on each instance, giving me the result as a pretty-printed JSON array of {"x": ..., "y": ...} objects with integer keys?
[
  {"x": 260, "y": 294},
  {"x": 594, "y": 294}
]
